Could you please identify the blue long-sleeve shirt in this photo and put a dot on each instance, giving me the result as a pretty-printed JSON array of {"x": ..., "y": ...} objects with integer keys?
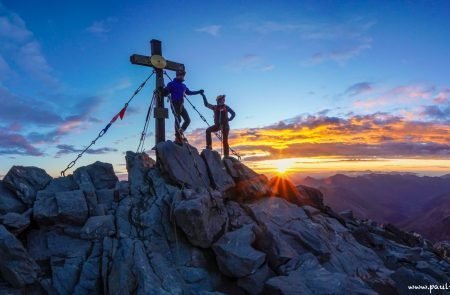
[{"x": 178, "y": 89}]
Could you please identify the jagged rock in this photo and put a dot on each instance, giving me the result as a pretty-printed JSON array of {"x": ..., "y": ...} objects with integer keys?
[
  {"x": 123, "y": 226},
  {"x": 443, "y": 249},
  {"x": 60, "y": 207},
  {"x": 311, "y": 278},
  {"x": 26, "y": 181},
  {"x": 405, "y": 277},
  {"x": 65, "y": 273},
  {"x": 311, "y": 196},
  {"x": 164, "y": 235},
  {"x": 201, "y": 216},
  {"x": 98, "y": 227},
  {"x": 138, "y": 165},
  {"x": 8, "y": 201},
  {"x": 84, "y": 182},
  {"x": 37, "y": 245},
  {"x": 237, "y": 216},
  {"x": 393, "y": 233},
  {"x": 105, "y": 197},
  {"x": 253, "y": 284},
  {"x": 300, "y": 195},
  {"x": 182, "y": 164},
  {"x": 347, "y": 214},
  {"x": 249, "y": 185},
  {"x": 220, "y": 179},
  {"x": 89, "y": 281},
  {"x": 67, "y": 247},
  {"x": 16, "y": 223},
  {"x": 72, "y": 207},
  {"x": 62, "y": 184},
  {"x": 131, "y": 271},
  {"x": 235, "y": 255},
  {"x": 16, "y": 266},
  {"x": 102, "y": 175}
]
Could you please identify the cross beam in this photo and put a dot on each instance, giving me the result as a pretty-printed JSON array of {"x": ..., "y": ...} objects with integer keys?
[{"x": 158, "y": 63}]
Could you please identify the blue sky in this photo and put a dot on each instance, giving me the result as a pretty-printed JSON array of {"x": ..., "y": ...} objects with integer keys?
[{"x": 284, "y": 65}]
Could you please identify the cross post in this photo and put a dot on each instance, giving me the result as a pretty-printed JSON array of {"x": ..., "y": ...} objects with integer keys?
[{"x": 158, "y": 63}]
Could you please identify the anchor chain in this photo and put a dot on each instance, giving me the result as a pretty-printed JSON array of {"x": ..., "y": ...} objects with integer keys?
[{"x": 104, "y": 130}]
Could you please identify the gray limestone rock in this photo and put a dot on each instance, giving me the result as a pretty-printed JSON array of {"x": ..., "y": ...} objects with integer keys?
[
  {"x": 60, "y": 207},
  {"x": 220, "y": 179},
  {"x": 138, "y": 165},
  {"x": 98, "y": 227},
  {"x": 62, "y": 184},
  {"x": 249, "y": 185},
  {"x": 182, "y": 164},
  {"x": 235, "y": 255},
  {"x": 102, "y": 175},
  {"x": 201, "y": 216},
  {"x": 16, "y": 266},
  {"x": 26, "y": 181},
  {"x": 16, "y": 223},
  {"x": 9, "y": 202}
]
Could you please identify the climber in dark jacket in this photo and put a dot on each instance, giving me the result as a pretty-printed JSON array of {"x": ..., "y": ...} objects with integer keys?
[
  {"x": 177, "y": 89},
  {"x": 221, "y": 120}
]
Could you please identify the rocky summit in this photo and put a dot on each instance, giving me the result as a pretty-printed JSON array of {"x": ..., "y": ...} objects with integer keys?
[{"x": 192, "y": 223}]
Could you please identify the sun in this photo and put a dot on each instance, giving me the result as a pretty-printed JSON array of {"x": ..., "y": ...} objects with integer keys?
[{"x": 282, "y": 166}]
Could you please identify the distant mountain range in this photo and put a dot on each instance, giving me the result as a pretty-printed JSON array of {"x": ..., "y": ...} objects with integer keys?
[{"x": 420, "y": 204}]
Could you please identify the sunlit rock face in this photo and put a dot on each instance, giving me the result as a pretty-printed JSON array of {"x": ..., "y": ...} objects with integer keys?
[{"x": 191, "y": 223}]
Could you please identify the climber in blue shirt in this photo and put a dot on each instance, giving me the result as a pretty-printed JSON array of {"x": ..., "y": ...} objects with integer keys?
[{"x": 177, "y": 89}]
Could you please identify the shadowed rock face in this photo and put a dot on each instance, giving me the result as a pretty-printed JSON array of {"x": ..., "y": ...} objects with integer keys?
[{"x": 164, "y": 231}]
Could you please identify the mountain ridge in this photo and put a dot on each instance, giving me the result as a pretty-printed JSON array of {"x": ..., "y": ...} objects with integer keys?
[{"x": 192, "y": 223}]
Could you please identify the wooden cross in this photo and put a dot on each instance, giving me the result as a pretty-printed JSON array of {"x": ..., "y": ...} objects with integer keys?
[{"x": 158, "y": 63}]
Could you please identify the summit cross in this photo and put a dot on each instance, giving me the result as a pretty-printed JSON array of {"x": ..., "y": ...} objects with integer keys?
[{"x": 158, "y": 63}]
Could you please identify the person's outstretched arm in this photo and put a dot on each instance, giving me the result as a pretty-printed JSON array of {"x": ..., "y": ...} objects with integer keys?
[
  {"x": 206, "y": 103},
  {"x": 189, "y": 92},
  {"x": 233, "y": 114}
]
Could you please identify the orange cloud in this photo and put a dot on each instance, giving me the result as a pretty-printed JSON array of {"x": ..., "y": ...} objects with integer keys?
[{"x": 375, "y": 135}]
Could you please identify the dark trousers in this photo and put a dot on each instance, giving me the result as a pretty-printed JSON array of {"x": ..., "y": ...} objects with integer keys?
[
  {"x": 225, "y": 131},
  {"x": 180, "y": 112}
]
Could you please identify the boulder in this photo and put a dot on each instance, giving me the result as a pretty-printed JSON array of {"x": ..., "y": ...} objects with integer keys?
[
  {"x": 235, "y": 255},
  {"x": 237, "y": 216},
  {"x": 64, "y": 246},
  {"x": 253, "y": 284},
  {"x": 9, "y": 202},
  {"x": 65, "y": 272},
  {"x": 60, "y": 207},
  {"x": 300, "y": 195},
  {"x": 26, "y": 181},
  {"x": 311, "y": 196},
  {"x": 443, "y": 249},
  {"x": 249, "y": 185},
  {"x": 405, "y": 277},
  {"x": 15, "y": 222},
  {"x": 102, "y": 175},
  {"x": 62, "y": 184},
  {"x": 220, "y": 179},
  {"x": 98, "y": 227},
  {"x": 105, "y": 197},
  {"x": 201, "y": 216},
  {"x": 72, "y": 207},
  {"x": 16, "y": 266},
  {"x": 138, "y": 165},
  {"x": 84, "y": 182},
  {"x": 182, "y": 164},
  {"x": 37, "y": 245},
  {"x": 89, "y": 281}
]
